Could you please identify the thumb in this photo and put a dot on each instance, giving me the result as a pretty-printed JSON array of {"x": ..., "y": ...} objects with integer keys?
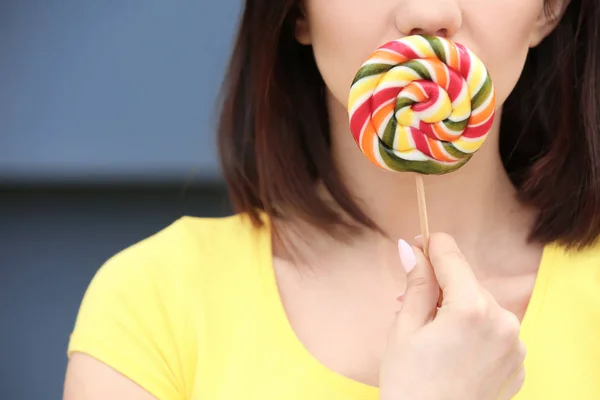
[{"x": 422, "y": 291}]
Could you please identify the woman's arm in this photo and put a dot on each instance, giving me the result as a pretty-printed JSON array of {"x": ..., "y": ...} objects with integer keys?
[
  {"x": 133, "y": 328},
  {"x": 90, "y": 379}
]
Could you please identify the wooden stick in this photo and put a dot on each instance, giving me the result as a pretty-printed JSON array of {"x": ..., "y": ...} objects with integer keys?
[
  {"x": 425, "y": 225},
  {"x": 423, "y": 214}
]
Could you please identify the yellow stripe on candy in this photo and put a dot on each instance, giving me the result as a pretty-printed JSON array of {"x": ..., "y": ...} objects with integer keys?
[
  {"x": 403, "y": 140},
  {"x": 440, "y": 114},
  {"x": 360, "y": 88},
  {"x": 476, "y": 77},
  {"x": 421, "y": 46},
  {"x": 461, "y": 106},
  {"x": 398, "y": 77},
  {"x": 405, "y": 116},
  {"x": 438, "y": 111},
  {"x": 467, "y": 145},
  {"x": 412, "y": 155}
]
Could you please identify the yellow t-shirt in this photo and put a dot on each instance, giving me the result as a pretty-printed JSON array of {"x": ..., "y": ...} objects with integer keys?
[{"x": 193, "y": 312}]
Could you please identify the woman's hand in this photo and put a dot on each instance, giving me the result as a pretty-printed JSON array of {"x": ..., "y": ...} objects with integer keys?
[{"x": 469, "y": 349}]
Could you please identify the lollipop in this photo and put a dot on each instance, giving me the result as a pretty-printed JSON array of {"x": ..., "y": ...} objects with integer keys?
[{"x": 421, "y": 104}]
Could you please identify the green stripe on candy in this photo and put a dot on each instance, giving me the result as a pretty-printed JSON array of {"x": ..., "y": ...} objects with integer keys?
[
  {"x": 482, "y": 94},
  {"x": 390, "y": 132},
  {"x": 418, "y": 68},
  {"x": 402, "y": 102},
  {"x": 370, "y": 70},
  {"x": 454, "y": 152},
  {"x": 456, "y": 126},
  {"x": 422, "y": 167},
  {"x": 438, "y": 47}
]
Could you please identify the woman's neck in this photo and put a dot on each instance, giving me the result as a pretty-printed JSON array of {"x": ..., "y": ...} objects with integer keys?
[{"x": 476, "y": 204}]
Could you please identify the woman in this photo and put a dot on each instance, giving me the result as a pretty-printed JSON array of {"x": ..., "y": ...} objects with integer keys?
[{"x": 292, "y": 297}]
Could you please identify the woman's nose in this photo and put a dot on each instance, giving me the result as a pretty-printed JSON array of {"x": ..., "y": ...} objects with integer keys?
[{"x": 429, "y": 17}]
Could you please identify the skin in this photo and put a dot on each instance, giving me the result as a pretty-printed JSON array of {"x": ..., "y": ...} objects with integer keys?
[
  {"x": 351, "y": 282},
  {"x": 343, "y": 33},
  {"x": 341, "y": 297}
]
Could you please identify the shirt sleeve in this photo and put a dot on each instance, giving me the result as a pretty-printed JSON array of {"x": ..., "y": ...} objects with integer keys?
[{"x": 127, "y": 321}]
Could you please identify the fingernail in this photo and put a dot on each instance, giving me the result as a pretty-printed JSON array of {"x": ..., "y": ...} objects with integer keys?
[
  {"x": 400, "y": 298},
  {"x": 418, "y": 238},
  {"x": 407, "y": 256}
]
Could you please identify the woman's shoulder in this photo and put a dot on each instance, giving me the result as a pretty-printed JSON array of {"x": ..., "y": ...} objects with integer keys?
[
  {"x": 192, "y": 254},
  {"x": 575, "y": 273},
  {"x": 580, "y": 259},
  {"x": 143, "y": 308},
  {"x": 193, "y": 244}
]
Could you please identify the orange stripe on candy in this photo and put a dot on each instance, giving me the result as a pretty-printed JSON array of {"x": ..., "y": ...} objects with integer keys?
[
  {"x": 452, "y": 58},
  {"x": 482, "y": 116},
  {"x": 392, "y": 58},
  {"x": 441, "y": 133},
  {"x": 440, "y": 72},
  {"x": 436, "y": 152},
  {"x": 380, "y": 116},
  {"x": 417, "y": 91},
  {"x": 367, "y": 142}
]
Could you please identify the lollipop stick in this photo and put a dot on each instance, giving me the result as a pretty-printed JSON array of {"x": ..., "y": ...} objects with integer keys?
[
  {"x": 423, "y": 214},
  {"x": 425, "y": 225}
]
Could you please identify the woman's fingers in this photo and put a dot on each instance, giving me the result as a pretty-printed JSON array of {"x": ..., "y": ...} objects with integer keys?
[
  {"x": 453, "y": 273},
  {"x": 420, "y": 298},
  {"x": 513, "y": 385}
]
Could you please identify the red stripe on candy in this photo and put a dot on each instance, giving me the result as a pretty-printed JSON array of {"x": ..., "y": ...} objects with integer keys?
[
  {"x": 402, "y": 49},
  {"x": 465, "y": 60},
  {"x": 427, "y": 129},
  {"x": 383, "y": 96},
  {"x": 433, "y": 93},
  {"x": 421, "y": 142},
  {"x": 358, "y": 119},
  {"x": 455, "y": 85},
  {"x": 474, "y": 132}
]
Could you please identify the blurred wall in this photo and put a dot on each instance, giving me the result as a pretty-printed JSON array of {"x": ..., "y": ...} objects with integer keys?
[{"x": 106, "y": 136}]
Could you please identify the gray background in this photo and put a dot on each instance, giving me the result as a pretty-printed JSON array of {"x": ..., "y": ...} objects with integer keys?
[{"x": 106, "y": 136}]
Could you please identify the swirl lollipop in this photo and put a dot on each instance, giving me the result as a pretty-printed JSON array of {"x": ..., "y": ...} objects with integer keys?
[{"x": 421, "y": 104}]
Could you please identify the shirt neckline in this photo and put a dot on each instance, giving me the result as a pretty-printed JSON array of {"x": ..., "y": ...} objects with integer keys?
[{"x": 284, "y": 333}]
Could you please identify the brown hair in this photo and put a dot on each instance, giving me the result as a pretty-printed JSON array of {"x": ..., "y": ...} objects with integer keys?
[{"x": 274, "y": 134}]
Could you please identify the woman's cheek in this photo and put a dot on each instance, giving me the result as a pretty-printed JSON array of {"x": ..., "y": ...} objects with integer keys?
[
  {"x": 505, "y": 60},
  {"x": 338, "y": 65},
  {"x": 500, "y": 34},
  {"x": 344, "y": 34}
]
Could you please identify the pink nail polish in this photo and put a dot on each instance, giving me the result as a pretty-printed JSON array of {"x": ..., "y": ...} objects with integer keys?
[{"x": 407, "y": 256}]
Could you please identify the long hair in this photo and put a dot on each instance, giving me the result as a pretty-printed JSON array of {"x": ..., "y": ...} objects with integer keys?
[{"x": 274, "y": 139}]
